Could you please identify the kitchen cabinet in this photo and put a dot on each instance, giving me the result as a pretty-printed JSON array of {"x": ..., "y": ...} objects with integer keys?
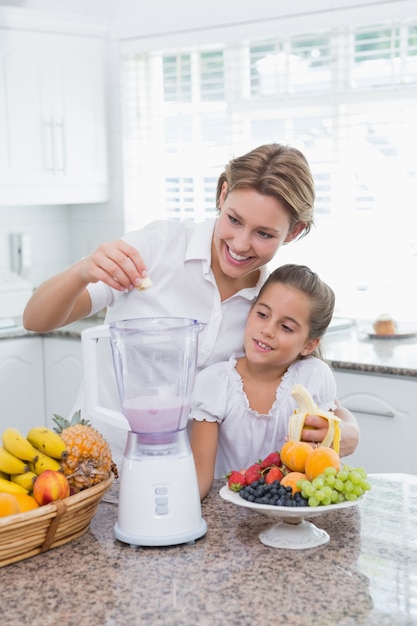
[
  {"x": 385, "y": 407},
  {"x": 63, "y": 371},
  {"x": 21, "y": 383},
  {"x": 52, "y": 114}
]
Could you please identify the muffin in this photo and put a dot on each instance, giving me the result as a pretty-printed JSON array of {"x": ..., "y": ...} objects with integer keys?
[{"x": 385, "y": 325}]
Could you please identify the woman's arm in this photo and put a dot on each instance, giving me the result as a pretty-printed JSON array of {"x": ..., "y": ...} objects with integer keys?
[
  {"x": 348, "y": 425},
  {"x": 204, "y": 437},
  {"x": 64, "y": 298},
  {"x": 349, "y": 430}
]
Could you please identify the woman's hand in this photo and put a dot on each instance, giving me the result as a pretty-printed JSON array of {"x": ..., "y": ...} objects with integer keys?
[
  {"x": 64, "y": 298},
  {"x": 117, "y": 264}
]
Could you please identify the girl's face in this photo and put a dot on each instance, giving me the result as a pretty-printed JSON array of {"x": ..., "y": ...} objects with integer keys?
[
  {"x": 278, "y": 327},
  {"x": 250, "y": 229}
]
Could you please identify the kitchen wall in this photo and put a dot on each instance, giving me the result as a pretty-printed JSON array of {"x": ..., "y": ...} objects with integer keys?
[{"x": 61, "y": 234}]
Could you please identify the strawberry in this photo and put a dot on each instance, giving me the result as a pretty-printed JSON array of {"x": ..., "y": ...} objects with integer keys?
[
  {"x": 253, "y": 473},
  {"x": 272, "y": 459},
  {"x": 236, "y": 480},
  {"x": 274, "y": 474}
]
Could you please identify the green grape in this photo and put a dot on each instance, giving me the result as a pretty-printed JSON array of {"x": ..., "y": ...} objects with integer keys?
[
  {"x": 334, "y": 496},
  {"x": 355, "y": 477},
  {"x": 330, "y": 480},
  {"x": 342, "y": 475},
  {"x": 361, "y": 471},
  {"x": 348, "y": 487},
  {"x": 308, "y": 489},
  {"x": 334, "y": 487},
  {"x": 351, "y": 496},
  {"x": 327, "y": 491},
  {"x": 318, "y": 482}
]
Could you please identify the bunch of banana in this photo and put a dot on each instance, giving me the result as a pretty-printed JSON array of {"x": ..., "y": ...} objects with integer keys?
[
  {"x": 25, "y": 480},
  {"x": 22, "y": 459},
  {"x": 44, "y": 462},
  {"x": 8, "y": 486},
  {"x": 15, "y": 443},
  {"x": 307, "y": 406},
  {"x": 48, "y": 442},
  {"x": 11, "y": 464}
]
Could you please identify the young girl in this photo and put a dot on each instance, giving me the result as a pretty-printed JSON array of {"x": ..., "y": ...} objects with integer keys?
[
  {"x": 209, "y": 271},
  {"x": 242, "y": 406}
]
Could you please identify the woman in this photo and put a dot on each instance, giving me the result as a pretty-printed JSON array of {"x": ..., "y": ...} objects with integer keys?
[{"x": 210, "y": 271}]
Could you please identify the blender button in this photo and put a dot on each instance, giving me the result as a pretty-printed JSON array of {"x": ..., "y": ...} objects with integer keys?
[
  {"x": 161, "y": 510},
  {"x": 161, "y": 500},
  {"x": 161, "y": 491}
]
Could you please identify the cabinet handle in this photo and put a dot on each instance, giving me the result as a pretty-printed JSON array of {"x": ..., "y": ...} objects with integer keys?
[
  {"x": 366, "y": 412},
  {"x": 59, "y": 137},
  {"x": 49, "y": 148}
]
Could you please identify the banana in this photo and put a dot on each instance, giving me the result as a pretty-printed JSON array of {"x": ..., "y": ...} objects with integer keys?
[
  {"x": 25, "y": 480},
  {"x": 145, "y": 284},
  {"x": 47, "y": 441},
  {"x": 307, "y": 406},
  {"x": 10, "y": 464},
  {"x": 7, "y": 486},
  {"x": 17, "y": 444},
  {"x": 43, "y": 463}
]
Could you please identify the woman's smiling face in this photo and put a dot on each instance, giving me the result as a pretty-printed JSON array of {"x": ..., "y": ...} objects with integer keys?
[{"x": 250, "y": 229}]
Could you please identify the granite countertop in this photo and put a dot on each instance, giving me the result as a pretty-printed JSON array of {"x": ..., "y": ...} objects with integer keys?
[
  {"x": 71, "y": 331},
  {"x": 347, "y": 349},
  {"x": 365, "y": 575},
  {"x": 353, "y": 349}
]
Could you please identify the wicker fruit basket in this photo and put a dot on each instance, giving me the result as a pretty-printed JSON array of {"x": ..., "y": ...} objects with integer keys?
[{"x": 27, "y": 534}]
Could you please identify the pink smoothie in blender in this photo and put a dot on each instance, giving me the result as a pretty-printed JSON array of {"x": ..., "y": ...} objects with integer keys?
[{"x": 156, "y": 419}]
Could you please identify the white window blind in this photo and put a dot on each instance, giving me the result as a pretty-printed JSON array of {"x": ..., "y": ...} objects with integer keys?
[{"x": 347, "y": 97}]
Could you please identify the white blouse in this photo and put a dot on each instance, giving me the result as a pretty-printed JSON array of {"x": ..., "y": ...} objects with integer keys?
[
  {"x": 245, "y": 436},
  {"x": 178, "y": 259}
]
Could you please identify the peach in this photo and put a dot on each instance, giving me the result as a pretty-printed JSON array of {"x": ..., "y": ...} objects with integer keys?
[{"x": 49, "y": 486}]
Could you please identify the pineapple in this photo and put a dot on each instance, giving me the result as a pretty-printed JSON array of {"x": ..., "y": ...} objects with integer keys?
[{"x": 89, "y": 458}]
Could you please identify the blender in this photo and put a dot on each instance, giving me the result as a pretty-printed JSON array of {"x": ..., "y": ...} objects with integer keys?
[{"x": 154, "y": 362}]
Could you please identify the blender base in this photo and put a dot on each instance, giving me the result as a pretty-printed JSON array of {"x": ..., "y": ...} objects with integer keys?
[{"x": 169, "y": 540}]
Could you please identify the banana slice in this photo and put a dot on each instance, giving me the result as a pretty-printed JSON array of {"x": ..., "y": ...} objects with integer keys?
[
  {"x": 146, "y": 282},
  {"x": 307, "y": 406}
]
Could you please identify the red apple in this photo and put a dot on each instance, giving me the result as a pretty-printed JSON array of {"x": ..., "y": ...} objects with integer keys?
[{"x": 50, "y": 485}]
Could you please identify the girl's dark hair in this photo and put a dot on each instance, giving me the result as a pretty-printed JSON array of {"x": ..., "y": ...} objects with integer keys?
[
  {"x": 322, "y": 297},
  {"x": 275, "y": 170}
]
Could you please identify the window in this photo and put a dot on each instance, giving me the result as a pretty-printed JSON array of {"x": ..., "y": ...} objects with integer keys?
[{"x": 347, "y": 97}]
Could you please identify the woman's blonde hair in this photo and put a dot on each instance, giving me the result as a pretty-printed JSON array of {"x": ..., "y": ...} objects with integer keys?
[{"x": 281, "y": 172}]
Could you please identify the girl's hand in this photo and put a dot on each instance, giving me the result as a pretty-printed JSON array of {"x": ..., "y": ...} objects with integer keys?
[
  {"x": 315, "y": 429},
  {"x": 117, "y": 264}
]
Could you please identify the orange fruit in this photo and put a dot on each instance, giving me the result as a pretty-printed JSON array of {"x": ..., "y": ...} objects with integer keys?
[
  {"x": 294, "y": 455},
  {"x": 291, "y": 480},
  {"x": 319, "y": 459},
  {"x": 8, "y": 504},
  {"x": 26, "y": 502}
]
